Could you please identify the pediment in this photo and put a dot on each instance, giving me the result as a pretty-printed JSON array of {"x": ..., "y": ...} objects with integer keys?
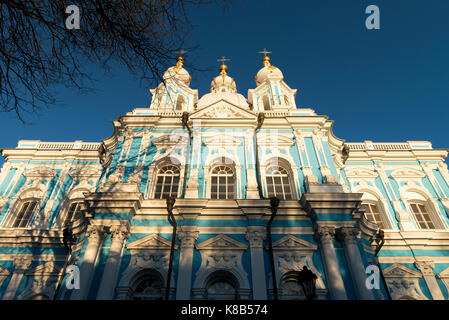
[
  {"x": 47, "y": 268},
  {"x": 222, "y": 140},
  {"x": 290, "y": 242},
  {"x": 444, "y": 273},
  {"x": 270, "y": 140},
  {"x": 361, "y": 173},
  {"x": 40, "y": 172},
  {"x": 221, "y": 242},
  {"x": 169, "y": 140},
  {"x": 223, "y": 109},
  {"x": 397, "y": 270},
  {"x": 407, "y": 173},
  {"x": 85, "y": 173},
  {"x": 4, "y": 271},
  {"x": 150, "y": 242}
]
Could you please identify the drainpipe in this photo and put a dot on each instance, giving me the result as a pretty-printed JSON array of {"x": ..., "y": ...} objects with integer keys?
[
  {"x": 185, "y": 119},
  {"x": 260, "y": 120},
  {"x": 274, "y": 203},
  {"x": 171, "y": 218},
  {"x": 171, "y": 202},
  {"x": 380, "y": 239},
  {"x": 68, "y": 240}
]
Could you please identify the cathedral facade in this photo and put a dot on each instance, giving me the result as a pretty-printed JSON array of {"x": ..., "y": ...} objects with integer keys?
[{"x": 223, "y": 197}]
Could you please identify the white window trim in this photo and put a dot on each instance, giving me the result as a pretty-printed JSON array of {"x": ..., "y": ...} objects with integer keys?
[{"x": 433, "y": 215}]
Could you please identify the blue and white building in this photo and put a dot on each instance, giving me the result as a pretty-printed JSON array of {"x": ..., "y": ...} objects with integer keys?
[{"x": 345, "y": 208}]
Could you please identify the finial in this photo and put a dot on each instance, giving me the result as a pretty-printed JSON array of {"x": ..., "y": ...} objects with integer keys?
[
  {"x": 265, "y": 57},
  {"x": 223, "y": 66},
  {"x": 181, "y": 53}
]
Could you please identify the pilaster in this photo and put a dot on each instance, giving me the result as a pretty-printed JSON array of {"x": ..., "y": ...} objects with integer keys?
[
  {"x": 188, "y": 236},
  {"x": 255, "y": 236}
]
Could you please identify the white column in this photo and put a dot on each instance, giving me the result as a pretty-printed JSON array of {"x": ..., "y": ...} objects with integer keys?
[
  {"x": 325, "y": 235},
  {"x": 95, "y": 236},
  {"x": 426, "y": 268},
  {"x": 183, "y": 286},
  {"x": 252, "y": 191},
  {"x": 255, "y": 236},
  {"x": 349, "y": 237},
  {"x": 21, "y": 264},
  {"x": 106, "y": 290}
]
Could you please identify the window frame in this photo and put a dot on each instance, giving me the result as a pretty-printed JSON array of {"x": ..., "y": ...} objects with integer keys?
[
  {"x": 64, "y": 218},
  {"x": 163, "y": 184},
  {"x": 213, "y": 175},
  {"x": 437, "y": 224},
  {"x": 221, "y": 276},
  {"x": 14, "y": 216},
  {"x": 280, "y": 163},
  {"x": 382, "y": 215}
]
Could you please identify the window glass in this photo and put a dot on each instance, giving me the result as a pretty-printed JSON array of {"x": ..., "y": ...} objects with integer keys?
[
  {"x": 278, "y": 183},
  {"x": 222, "y": 182},
  {"x": 167, "y": 182}
]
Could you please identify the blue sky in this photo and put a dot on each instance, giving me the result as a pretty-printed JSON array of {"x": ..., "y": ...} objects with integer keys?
[{"x": 387, "y": 85}]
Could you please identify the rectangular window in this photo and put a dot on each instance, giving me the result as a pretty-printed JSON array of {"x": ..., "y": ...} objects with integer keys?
[
  {"x": 372, "y": 214},
  {"x": 25, "y": 214},
  {"x": 422, "y": 216}
]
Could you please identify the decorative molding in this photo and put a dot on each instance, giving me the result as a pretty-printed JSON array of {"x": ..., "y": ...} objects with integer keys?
[
  {"x": 221, "y": 242},
  {"x": 407, "y": 173},
  {"x": 403, "y": 282},
  {"x": 324, "y": 233},
  {"x": 188, "y": 238},
  {"x": 150, "y": 242},
  {"x": 293, "y": 244}
]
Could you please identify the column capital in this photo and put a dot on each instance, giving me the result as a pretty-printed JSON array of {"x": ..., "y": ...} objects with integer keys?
[
  {"x": 256, "y": 236},
  {"x": 426, "y": 267},
  {"x": 22, "y": 263},
  {"x": 188, "y": 238},
  {"x": 347, "y": 234},
  {"x": 119, "y": 232},
  {"x": 95, "y": 232},
  {"x": 324, "y": 233}
]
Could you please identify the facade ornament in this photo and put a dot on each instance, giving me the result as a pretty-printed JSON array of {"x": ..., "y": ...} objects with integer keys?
[
  {"x": 347, "y": 234},
  {"x": 22, "y": 263},
  {"x": 119, "y": 232},
  {"x": 256, "y": 237},
  {"x": 188, "y": 238},
  {"x": 95, "y": 232},
  {"x": 426, "y": 267},
  {"x": 324, "y": 233}
]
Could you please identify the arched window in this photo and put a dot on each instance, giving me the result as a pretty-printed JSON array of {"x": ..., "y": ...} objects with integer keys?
[
  {"x": 167, "y": 182},
  {"x": 25, "y": 215},
  {"x": 278, "y": 182},
  {"x": 266, "y": 103},
  {"x": 73, "y": 213},
  {"x": 372, "y": 214},
  {"x": 290, "y": 289},
  {"x": 180, "y": 103},
  {"x": 222, "y": 182},
  {"x": 422, "y": 216},
  {"x": 148, "y": 287},
  {"x": 222, "y": 286}
]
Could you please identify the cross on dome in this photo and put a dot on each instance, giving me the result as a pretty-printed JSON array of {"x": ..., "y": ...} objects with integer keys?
[
  {"x": 223, "y": 67},
  {"x": 266, "y": 59},
  {"x": 265, "y": 52}
]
